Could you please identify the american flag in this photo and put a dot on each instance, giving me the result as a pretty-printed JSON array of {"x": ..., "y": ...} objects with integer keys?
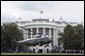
[{"x": 41, "y": 12}]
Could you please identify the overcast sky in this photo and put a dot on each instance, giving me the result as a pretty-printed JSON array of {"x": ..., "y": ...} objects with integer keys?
[{"x": 69, "y": 10}]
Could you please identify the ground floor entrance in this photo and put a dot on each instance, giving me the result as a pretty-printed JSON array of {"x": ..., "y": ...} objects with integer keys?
[{"x": 40, "y": 51}]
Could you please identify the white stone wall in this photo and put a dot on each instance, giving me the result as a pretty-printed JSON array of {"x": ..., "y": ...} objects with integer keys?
[{"x": 56, "y": 27}]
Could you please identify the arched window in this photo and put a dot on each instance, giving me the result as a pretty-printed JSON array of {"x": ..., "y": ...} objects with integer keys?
[
  {"x": 34, "y": 50},
  {"x": 47, "y": 50}
]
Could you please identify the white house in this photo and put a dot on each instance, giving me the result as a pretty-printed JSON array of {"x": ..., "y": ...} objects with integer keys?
[{"x": 45, "y": 27}]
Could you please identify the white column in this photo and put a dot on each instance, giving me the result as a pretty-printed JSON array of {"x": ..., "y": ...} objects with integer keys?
[
  {"x": 43, "y": 31},
  {"x": 50, "y": 38},
  {"x": 54, "y": 37},
  {"x": 31, "y": 32},
  {"x": 24, "y": 33},
  {"x": 43, "y": 45},
  {"x": 50, "y": 33},
  {"x": 37, "y": 47}
]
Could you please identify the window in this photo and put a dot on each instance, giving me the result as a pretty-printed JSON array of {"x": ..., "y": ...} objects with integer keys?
[
  {"x": 47, "y": 31},
  {"x": 29, "y": 37},
  {"x": 38, "y": 36},
  {"x": 33, "y": 50},
  {"x": 59, "y": 32},
  {"x": 40, "y": 31},
  {"x": 52, "y": 31},
  {"x": 34, "y": 31},
  {"x": 47, "y": 50},
  {"x": 40, "y": 51},
  {"x": 29, "y": 32},
  {"x": 59, "y": 43}
]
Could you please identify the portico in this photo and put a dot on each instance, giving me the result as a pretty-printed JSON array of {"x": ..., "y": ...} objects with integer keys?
[
  {"x": 42, "y": 27},
  {"x": 30, "y": 32}
]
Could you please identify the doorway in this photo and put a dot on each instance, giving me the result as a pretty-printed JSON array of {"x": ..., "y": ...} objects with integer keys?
[{"x": 40, "y": 51}]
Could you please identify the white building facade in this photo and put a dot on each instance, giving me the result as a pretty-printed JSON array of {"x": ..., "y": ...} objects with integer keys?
[{"x": 44, "y": 27}]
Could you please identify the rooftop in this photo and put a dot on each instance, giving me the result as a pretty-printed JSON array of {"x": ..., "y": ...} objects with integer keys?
[{"x": 40, "y": 20}]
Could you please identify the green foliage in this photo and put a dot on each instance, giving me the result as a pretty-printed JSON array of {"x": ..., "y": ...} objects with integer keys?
[
  {"x": 72, "y": 37},
  {"x": 8, "y": 31}
]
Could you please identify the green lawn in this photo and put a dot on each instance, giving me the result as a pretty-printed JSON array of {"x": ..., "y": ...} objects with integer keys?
[{"x": 42, "y": 53}]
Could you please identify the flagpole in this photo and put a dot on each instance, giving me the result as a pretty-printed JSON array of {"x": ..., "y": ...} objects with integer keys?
[
  {"x": 41, "y": 12},
  {"x": 40, "y": 15}
]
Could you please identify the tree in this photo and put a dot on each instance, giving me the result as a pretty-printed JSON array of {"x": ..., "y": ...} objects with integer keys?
[
  {"x": 72, "y": 37},
  {"x": 79, "y": 33},
  {"x": 8, "y": 31}
]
